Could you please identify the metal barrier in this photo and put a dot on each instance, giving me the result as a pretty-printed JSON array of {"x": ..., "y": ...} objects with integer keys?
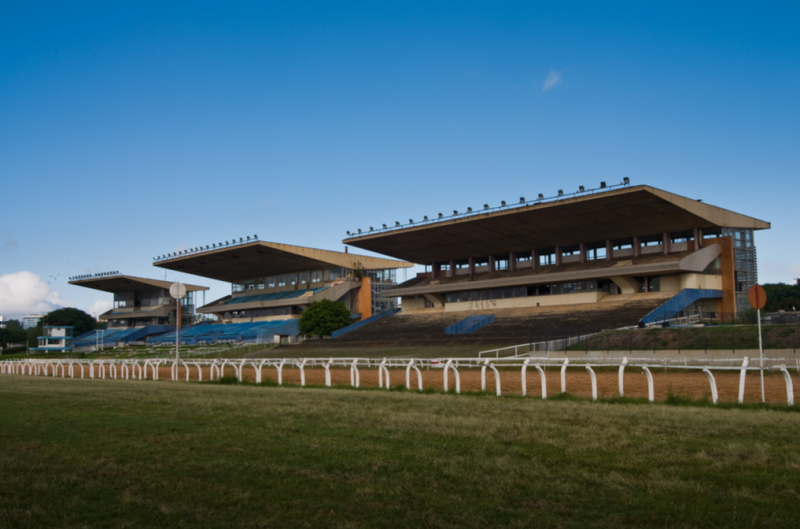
[{"x": 130, "y": 369}]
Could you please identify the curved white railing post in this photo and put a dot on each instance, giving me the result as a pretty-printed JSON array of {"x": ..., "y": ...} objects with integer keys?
[
  {"x": 594, "y": 381},
  {"x": 789, "y": 386},
  {"x": 279, "y": 367},
  {"x": 448, "y": 366},
  {"x": 154, "y": 366},
  {"x": 354, "y": 375},
  {"x": 199, "y": 372},
  {"x": 651, "y": 394},
  {"x": 327, "y": 366},
  {"x": 523, "y": 377},
  {"x": 382, "y": 370},
  {"x": 713, "y": 383},
  {"x": 258, "y": 370},
  {"x": 125, "y": 370},
  {"x": 113, "y": 368},
  {"x": 71, "y": 371},
  {"x": 544, "y": 380},
  {"x": 483, "y": 375},
  {"x": 564, "y": 375},
  {"x": 239, "y": 370},
  {"x": 409, "y": 367},
  {"x": 742, "y": 375},
  {"x": 91, "y": 370},
  {"x": 496, "y": 378},
  {"x": 622, "y": 376},
  {"x": 302, "y": 372}
]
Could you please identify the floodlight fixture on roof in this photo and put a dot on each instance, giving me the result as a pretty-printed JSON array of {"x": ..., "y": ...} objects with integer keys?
[
  {"x": 486, "y": 206},
  {"x": 396, "y": 223},
  {"x": 626, "y": 180},
  {"x": 455, "y": 212},
  {"x": 502, "y": 203},
  {"x": 371, "y": 228},
  {"x": 560, "y": 192},
  {"x": 425, "y": 218},
  {"x": 581, "y": 189},
  {"x": 602, "y": 185},
  {"x": 440, "y": 215},
  {"x": 359, "y": 230},
  {"x": 255, "y": 237},
  {"x": 469, "y": 210},
  {"x": 521, "y": 200},
  {"x": 384, "y": 226},
  {"x": 541, "y": 196},
  {"x": 411, "y": 221}
]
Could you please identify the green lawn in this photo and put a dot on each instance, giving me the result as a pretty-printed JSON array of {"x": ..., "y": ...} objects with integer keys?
[{"x": 81, "y": 453}]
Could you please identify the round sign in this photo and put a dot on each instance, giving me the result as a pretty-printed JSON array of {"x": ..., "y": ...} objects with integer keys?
[
  {"x": 177, "y": 290},
  {"x": 757, "y": 297}
]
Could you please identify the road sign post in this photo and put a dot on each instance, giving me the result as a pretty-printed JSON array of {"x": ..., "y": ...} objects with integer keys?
[
  {"x": 757, "y": 297},
  {"x": 177, "y": 291}
]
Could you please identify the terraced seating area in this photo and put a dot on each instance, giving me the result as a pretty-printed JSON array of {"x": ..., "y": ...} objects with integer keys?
[
  {"x": 109, "y": 335},
  {"x": 217, "y": 332},
  {"x": 272, "y": 296},
  {"x": 511, "y": 326}
]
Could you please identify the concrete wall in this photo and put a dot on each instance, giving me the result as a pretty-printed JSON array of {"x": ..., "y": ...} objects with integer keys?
[
  {"x": 530, "y": 301},
  {"x": 676, "y": 283},
  {"x": 413, "y": 304}
]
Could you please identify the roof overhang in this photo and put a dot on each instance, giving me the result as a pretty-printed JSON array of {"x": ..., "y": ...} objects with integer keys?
[
  {"x": 611, "y": 215},
  {"x": 122, "y": 283},
  {"x": 263, "y": 259}
]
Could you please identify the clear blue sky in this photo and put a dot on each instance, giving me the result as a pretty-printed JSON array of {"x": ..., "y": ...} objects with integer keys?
[{"x": 128, "y": 130}]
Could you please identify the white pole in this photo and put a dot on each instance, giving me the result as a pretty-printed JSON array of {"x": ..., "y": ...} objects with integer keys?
[
  {"x": 178, "y": 322},
  {"x": 761, "y": 355}
]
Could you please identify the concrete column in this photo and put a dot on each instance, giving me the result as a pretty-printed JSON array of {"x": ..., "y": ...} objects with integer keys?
[
  {"x": 435, "y": 269},
  {"x": 609, "y": 250},
  {"x": 558, "y": 255},
  {"x": 512, "y": 261},
  {"x": 666, "y": 243},
  {"x": 534, "y": 258},
  {"x": 637, "y": 246},
  {"x": 452, "y": 271},
  {"x": 491, "y": 263},
  {"x": 697, "y": 235},
  {"x": 646, "y": 284},
  {"x": 472, "y": 266},
  {"x": 583, "y": 252}
]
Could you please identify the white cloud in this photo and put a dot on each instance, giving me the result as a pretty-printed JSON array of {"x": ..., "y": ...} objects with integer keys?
[
  {"x": 100, "y": 306},
  {"x": 552, "y": 80},
  {"x": 23, "y": 293}
]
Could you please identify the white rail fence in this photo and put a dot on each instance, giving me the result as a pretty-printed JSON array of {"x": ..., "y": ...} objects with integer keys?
[{"x": 149, "y": 369}]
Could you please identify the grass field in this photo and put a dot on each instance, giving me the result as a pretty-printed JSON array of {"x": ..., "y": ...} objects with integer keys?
[{"x": 81, "y": 453}]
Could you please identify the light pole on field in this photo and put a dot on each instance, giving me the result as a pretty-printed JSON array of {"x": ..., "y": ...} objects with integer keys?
[{"x": 177, "y": 291}]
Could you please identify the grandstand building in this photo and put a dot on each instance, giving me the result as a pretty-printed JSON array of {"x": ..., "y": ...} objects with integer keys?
[
  {"x": 272, "y": 283},
  {"x": 598, "y": 247},
  {"x": 142, "y": 307}
]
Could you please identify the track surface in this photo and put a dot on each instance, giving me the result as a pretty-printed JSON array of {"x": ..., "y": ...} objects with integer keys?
[{"x": 686, "y": 384}]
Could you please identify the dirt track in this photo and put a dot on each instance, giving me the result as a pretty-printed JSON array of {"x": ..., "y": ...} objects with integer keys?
[{"x": 694, "y": 384}]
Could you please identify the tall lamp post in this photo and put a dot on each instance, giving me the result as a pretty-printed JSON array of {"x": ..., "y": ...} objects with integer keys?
[
  {"x": 757, "y": 297},
  {"x": 177, "y": 291}
]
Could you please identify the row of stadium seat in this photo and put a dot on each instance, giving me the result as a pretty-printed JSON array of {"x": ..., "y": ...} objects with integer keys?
[
  {"x": 210, "y": 333},
  {"x": 273, "y": 296}
]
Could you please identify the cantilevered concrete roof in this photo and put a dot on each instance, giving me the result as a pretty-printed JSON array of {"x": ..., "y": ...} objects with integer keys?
[
  {"x": 262, "y": 259},
  {"x": 615, "y": 215},
  {"x": 122, "y": 283}
]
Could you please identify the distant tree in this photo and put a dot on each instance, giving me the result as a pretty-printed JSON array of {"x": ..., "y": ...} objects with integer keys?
[
  {"x": 781, "y": 296},
  {"x": 13, "y": 324},
  {"x": 324, "y": 317},
  {"x": 12, "y": 336},
  {"x": 76, "y": 318}
]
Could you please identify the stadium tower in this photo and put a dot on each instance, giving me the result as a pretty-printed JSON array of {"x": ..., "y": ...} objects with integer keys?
[
  {"x": 272, "y": 283},
  {"x": 142, "y": 307},
  {"x": 607, "y": 248}
]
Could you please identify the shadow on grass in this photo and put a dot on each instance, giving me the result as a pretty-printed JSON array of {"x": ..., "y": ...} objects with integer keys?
[{"x": 672, "y": 398}]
